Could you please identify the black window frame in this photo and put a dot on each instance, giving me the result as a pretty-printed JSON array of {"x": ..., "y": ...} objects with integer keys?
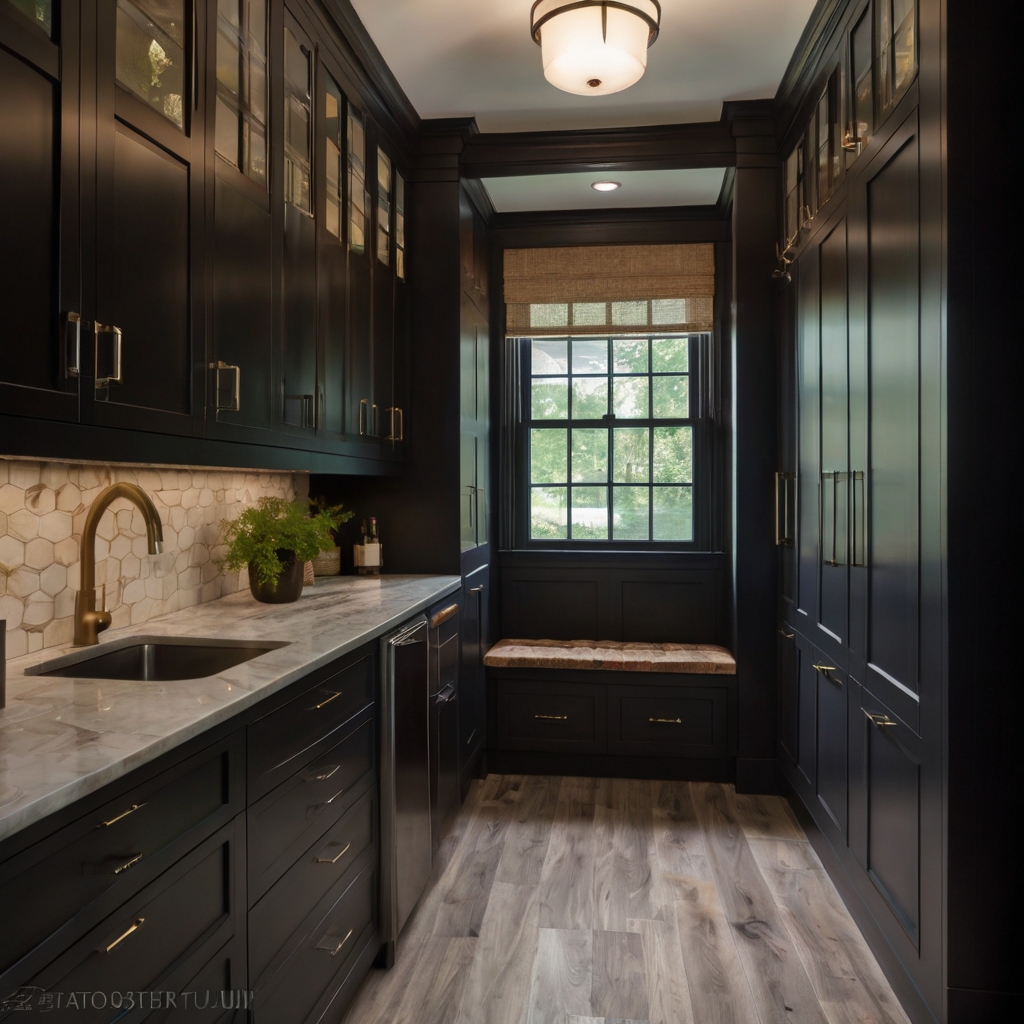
[{"x": 700, "y": 420}]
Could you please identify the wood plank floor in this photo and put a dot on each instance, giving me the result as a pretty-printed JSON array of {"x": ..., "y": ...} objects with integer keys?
[{"x": 610, "y": 901}]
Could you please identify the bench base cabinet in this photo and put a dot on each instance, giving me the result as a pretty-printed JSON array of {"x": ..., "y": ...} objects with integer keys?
[
  {"x": 618, "y": 714},
  {"x": 236, "y": 878}
]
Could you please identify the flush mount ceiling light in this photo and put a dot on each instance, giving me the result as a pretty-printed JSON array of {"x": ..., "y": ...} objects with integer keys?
[
  {"x": 594, "y": 47},
  {"x": 606, "y": 186}
]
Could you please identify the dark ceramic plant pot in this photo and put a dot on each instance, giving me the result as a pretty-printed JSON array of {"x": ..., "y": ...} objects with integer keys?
[{"x": 287, "y": 587}]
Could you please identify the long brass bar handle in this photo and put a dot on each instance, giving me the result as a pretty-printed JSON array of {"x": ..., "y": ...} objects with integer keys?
[
  {"x": 323, "y": 774},
  {"x": 117, "y": 377},
  {"x": 476, "y": 590},
  {"x": 136, "y": 925},
  {"x": 363, "y": 404},
  {"x": 667, "y": 721},
  {"x": 859, "y": 527},
  {"x": 123, "y": 814},
  {"x": 72, "y": 345},
  {"x": 783, "y": 633},
  {"x": 778, "y": 538},
  {"x": 882, "y": 721},
  {"x": 835, "y": 514},
  {"x": 552, "y": 718},
  {"x": 334, "y": 695},
  {"x": 334, "y": 860},
  {"x": 401, "y": 423},
  {"x": 334, "y": 948},
  {"x": 787, "y": 537}
]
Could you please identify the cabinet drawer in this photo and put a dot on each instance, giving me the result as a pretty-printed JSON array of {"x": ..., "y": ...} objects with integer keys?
[
  {"x": 297, "y": 731},
  {"x": 287, "y": 821},
  {"x": 277, "y": 916},
  {"x": 550, "y": 716},
  {"x": 322, "y": 961},
  {"x": 112, "y": 853},
  {"x": 169, "y": 929},
  {"x": 660, "y": 720}
]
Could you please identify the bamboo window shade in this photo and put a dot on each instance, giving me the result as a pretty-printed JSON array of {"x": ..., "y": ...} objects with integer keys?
[{"x": 603, "y": 289}]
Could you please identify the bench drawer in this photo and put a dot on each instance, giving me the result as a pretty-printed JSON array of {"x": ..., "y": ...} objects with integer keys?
[
  {"x": 287, "y": 820},
  {"x": 322, "y": 960},
  {"x": 113, "y": 852},
  {"x": 297, "y": 731},
  {"x": 554, "y": 716},
  {"x": 660, "y": 720},
  {"x": 278, "y": 915}
]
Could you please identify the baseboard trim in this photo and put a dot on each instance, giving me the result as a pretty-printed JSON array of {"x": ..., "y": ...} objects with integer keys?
[
  {"x": 981, "y": 1006},
  {"x": 611, "y": 766},
  {"x": 757, "y": 775}
]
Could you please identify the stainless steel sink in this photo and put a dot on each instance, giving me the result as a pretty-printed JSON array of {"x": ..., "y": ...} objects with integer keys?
[{"x": 158, "y": 659}]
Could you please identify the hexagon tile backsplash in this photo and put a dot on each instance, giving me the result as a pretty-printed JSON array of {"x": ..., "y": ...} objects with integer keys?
[{"x": 42, "y": 512}]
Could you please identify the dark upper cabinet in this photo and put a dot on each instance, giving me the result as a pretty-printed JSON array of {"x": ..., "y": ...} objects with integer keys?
[
  {"x": 148, "y": 226},
  {"x": 40, "y": 276}
]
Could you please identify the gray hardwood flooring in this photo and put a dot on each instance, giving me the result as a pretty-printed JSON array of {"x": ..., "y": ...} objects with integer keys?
[{"x": 612, "y": 901}]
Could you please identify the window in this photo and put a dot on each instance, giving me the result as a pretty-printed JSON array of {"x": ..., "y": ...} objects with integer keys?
[
  {"x": 241, "y": 125},
  {"x": 610, "y": 439}
]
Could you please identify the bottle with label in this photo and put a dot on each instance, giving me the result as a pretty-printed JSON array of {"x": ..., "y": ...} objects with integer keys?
[{"x": 368, "y": 555}]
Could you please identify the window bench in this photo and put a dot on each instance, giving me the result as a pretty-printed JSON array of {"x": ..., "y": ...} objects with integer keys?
[{"x": 633, "y": 709}]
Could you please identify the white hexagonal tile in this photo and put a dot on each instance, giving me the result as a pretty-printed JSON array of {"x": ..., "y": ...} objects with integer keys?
[
  {"x": 39, "y": 553},
  {"x": 141, "y": 612},
  {"x": 4, "y": 471},
  {"x": 121, "y": 546},
  {"x": 40, "y": 499},
  {"x": 17, "y": 643},
  {"x": 53, "y": 579},
  {"x": 69, "y": 498},
  {"x": 11, "y": 610},
  {"x": 12, "y": 551},
  {"x": 58, "y": 632},
  {"x": 64, "y": 603},
  {"x": 35, "y": 640},
  {"x": 38, "y": 610},
  {"x": 186, "y": 538},
  {"x": 131, "y": 566},
  {"x": 24, "y": 474},
  {"x": 23, "y": 524},
  {"x": 191, "y": 577},
  {"x": 23, "y": 583},
  {"x": 123, "y": 520},
  {"x": 55, "y": 526},
  {"x": 54, "y": 474},
  {"x": 66, "y": 551},
  {"x": 12, "y": 499}
]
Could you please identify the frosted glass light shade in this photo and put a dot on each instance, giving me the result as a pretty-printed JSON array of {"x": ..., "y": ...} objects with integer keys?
[{"x": 596, "y": 49}]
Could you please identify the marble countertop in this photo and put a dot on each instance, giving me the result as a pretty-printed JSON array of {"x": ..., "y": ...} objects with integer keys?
[{"x": 63, "y": 738}]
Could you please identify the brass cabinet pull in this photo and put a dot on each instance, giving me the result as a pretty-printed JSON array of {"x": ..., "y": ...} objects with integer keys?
[
  {"x": 334, "y": 695},
  {"x": 396, "y": 414},
  {"x": 136, "y": 924},
  {"x": 334, "y": 860},
  {"x": 329, "y": 945},
  {"x": 552, "y": 718},
  {"x": 782, "y": 632},
  {"x": 123, "y": 814},
  {"x": 778, "y": 535},
  {"x": 363, "y": 403},
  {"x": 234, "y": 402},
  {"x": 117, "y": 377},
  {"x": 880, "y": 720},
  {"x": 72, "y": 344},
  {"x": 859, "y": 524},
  {"x": 323, "y": 774},
  {"x": 826, "y": 671},
  {"x": 443, "y": 615},
  {"x": 782, "y": 535},
  {"x": 401, "y": 423},
  {"x": 667, "y": 721},
  {"x": 476, "y": 590},
  {"x": 128, "y": 864}
]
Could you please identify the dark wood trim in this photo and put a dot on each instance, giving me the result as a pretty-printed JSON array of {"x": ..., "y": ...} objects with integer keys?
[
  {"x": 44, "y": 439},
  {"x": 612, "y": 766},
  {"x": 480, "y": 199}
]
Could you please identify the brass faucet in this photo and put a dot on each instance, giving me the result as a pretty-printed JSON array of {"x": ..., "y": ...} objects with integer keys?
[{"x": 89, "y": 623}]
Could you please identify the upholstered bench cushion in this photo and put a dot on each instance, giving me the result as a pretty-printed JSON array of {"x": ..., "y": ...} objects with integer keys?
[{"x": 612, "y": 656}]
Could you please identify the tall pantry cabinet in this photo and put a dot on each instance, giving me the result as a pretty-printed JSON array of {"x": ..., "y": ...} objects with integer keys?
[{"x": 867, "y": 438}]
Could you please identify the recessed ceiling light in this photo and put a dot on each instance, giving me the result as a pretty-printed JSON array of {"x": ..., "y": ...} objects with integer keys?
[{"x": 606, "y": 186}]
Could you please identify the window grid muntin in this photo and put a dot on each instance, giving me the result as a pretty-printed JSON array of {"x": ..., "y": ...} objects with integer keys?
[{"x": 609, "y": 422}]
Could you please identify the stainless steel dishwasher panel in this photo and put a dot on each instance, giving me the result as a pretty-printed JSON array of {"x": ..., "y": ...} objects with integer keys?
[{"x": 405, "y": 775}]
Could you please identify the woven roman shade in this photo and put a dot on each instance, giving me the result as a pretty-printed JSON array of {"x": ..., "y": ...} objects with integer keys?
[{"x": 602, "y": 289}]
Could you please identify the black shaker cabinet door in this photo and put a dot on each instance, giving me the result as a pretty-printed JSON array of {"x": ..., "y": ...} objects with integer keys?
[
  {"x": 148, "y": 216},
  {"x": 39, "y": 272}
]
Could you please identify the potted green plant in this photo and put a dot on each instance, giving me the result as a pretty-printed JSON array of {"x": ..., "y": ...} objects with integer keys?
[
  {"x": 328, "y": 562},
  {"x": 273, "y": 539}
]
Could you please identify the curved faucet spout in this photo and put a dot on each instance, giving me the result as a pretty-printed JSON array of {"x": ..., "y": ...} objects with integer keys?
[{"x": 88, "y": 621}]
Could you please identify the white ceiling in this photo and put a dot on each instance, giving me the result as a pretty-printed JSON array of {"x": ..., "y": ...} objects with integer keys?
[
  {"x": 462, "y": 58},
  {"x": 699, "y": 187}
]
